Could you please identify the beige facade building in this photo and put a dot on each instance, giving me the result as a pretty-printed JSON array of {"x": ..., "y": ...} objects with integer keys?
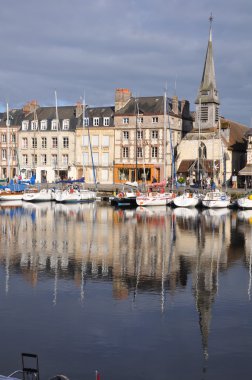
[
  {"x": 148, "y": 131},
  {"x": 95, "y": 145}
]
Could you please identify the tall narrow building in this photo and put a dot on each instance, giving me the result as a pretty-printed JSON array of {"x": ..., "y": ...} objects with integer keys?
[{"x": 207, "y": 102}]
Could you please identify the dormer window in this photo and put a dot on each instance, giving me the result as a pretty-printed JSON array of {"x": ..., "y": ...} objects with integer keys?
[
  {"x": 106, "y": 121},
  {"x": 54, "y": 125},
  {"x": 96, "y": 121},
  {"x": 25, "y": 125},
  {"x": 34, "y": 125},
  {"x": 125, "y": 120},
  {"x": 65, "y": 125},
  {"x": 140, "y": 120},
  {"x": 43, "y": 125},
  {"x": 86, "y": 121}
]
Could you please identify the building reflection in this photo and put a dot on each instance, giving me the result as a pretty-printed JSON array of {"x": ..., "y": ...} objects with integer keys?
[{"x": 144, "y": 250}]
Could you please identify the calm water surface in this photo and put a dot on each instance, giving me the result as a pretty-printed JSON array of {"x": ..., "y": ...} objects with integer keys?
[{"x": 135, "y": 294}]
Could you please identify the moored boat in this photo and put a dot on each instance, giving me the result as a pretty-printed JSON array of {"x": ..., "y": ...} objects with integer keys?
[
  {"x": 44, "y": 195},
  {"x": 216, "y": 199},
  {"x": 187, "y": 199},
  {"x": 245, "y": 202}
]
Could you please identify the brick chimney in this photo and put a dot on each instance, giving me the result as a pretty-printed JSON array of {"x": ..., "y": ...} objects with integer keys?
[
  {"x": 78, "y": 109},
  {"x": 30, "y": 107},
  {"x": 122, "y": 96},
  {"x": 175, "y": 104}
]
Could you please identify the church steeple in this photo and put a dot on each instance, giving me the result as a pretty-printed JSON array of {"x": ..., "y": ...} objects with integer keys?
[{"x": 207, "y": 102}]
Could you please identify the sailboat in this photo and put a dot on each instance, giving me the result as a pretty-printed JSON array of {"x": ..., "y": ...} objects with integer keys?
[{"x": 187, "y": 199}]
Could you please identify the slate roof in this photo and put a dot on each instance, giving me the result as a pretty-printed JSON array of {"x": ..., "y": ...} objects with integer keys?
[{"x": 147, "y": 105}]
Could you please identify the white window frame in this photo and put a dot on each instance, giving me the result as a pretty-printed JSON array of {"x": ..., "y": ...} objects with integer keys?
[
  {"x": 54, "y": 125},
  {"x": 86, "y": 121},
  {"x": 106, "y": 121},
  {"x": 43, "y": 142},
  {"x": 125, "y": 152},
  {"x": 65, "y": 159},
  {"x": 4, "y": 154},
  {"x": 24, "y": 143},
  {"x": 34, "y": 142},
  {"x": 125, "y": 135},
  {"x": 154, "y": 120},
  {"x": 95, "y": 140},
  {"x": 4, "y": 138},
  {"x": 43, "y": 125},
  {"x": 25, "y": 125},
  {"x": 55, "y": 140},
  {"x": 96, "y": 121},
  {"x": 139, "y": 152},
  {"x": 54, "y": 160},
  {"x": 85, "y": 140},
  {"x": 66, "y": 142},
  {"x": 105, "y": 159},
  {"x": 25, "y": 159},
  {"x": 43, "y": 159},
  {"x": 125, "y": 120},
  {"x": 140, "y": 120},
  {"x": 154, "y": 152},
  {"x": 139, "y": 135},
  {"x": 65, "y": 125},
  {"x": 34, "y": 125},
  {"x": 154, "y": 134},
  {"x": 105, "y": 141}
]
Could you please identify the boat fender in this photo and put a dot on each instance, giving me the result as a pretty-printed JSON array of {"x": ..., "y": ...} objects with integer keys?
[
  {"x": 120, "y": 195},
  {"x": 138, "y": 193},
  {"x": 173, "y": 195}
]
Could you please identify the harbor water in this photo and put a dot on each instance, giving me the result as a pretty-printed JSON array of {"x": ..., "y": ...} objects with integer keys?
[{"x": 156, "y": 293}]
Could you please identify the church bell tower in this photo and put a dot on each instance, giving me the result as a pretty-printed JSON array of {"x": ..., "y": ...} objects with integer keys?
[{"x": 207, "y": 102}]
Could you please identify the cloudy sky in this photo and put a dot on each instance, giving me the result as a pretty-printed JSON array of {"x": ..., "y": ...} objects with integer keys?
[{"x": 95, "y": 46}]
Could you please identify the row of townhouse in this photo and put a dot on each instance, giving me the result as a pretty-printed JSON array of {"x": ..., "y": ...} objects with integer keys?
[{"x": 129, "y": 141}]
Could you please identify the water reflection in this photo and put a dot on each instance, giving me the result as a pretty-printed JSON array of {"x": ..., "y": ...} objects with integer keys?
[{"x": 161, "y": 252}]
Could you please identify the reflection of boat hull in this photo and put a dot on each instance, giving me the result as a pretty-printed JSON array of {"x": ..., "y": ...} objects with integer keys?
[
  {"x": 186, "y": 212},
  {"x": 245, "y": 215},
  {"x": 245, "y": 202}
]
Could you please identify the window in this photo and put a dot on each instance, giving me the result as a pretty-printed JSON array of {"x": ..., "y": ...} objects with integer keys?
[
  {"x": 125, "y": 120},
  {"x": 13, "y": 138},
  {"x": 139, "y": 152},
  {"x": 55, "y": 125},
  {"x": 154, "y": 151},
  {"x": 140, "y": 120},
  {"x": 25, "y": 159},
  {"x": 105, "y": 159},
  {"x": 25, "y": 125},
  {"x": 65, "y": 142},
  {"x": 86, "y": 121},
  {"x": 155, "y": 120},
  {"x": 85, "y": 158},
  {"x": 96, "y": 158},
  {"x": 96, "y": 121},
  {"x": 4, "y": 138},
  {"x": 54, "y": 142},
  {"x": 4, "y": 154},
  {"x": 34, "y": 159},
  {"x": 202, "y": 150},
  {"x": 24, "y": 143},
  {"x": 105, "y": 141},
  {"x": 54, "y": 160},
  {"x": 34, "y": 142},
  {"x": 65, "y": 125},
  {"x": 65, "y": 159},
  {"x": 85, "y": 140},
  {"x": 106, "y": 121},
  {"x": 43, "y": 159},
  {"x": 140, "y": 134},
  {"x": 125, "y": 152},
  {"x": 95, "y": 140},
  {"x": 44, "y": 142},
  {"x": 125, "y": 135},
  {"x": 154, "y": 134},
  {"x": 105, "y": 175},
  {"x": 43, "y": 125},
  {"x": 34, "y": 125},
  {"x": 216, "y": 114}
]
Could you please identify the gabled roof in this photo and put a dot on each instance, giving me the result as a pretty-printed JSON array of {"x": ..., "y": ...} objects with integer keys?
[{"x": 146, "y": 105}]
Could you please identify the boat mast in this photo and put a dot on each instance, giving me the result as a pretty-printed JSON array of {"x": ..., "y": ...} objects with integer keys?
[
  {"x": 173, "y": 171},
  {"x": 57, "y": 123},
  {"x": 8, "y": 140},
  {"x": 90, "y": 145},
  {"x": 136, "y": 107},
  {"x": 165, "y": 132}
]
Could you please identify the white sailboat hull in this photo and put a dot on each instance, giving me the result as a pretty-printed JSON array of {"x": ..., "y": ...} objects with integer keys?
[
  {"x": 155, "y": 200},
  {"x": 43, "y": 195},
  {"x": 68, "y": 196},
  {"x": 186, "y": 200},
  {"x": 216, "y": 199},
  {"x": 245, "y": 202},
  {"x": 11, "y": 197}
]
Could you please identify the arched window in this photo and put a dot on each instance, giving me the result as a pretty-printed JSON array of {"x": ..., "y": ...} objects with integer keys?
[{"x": 202, "y": 151}]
